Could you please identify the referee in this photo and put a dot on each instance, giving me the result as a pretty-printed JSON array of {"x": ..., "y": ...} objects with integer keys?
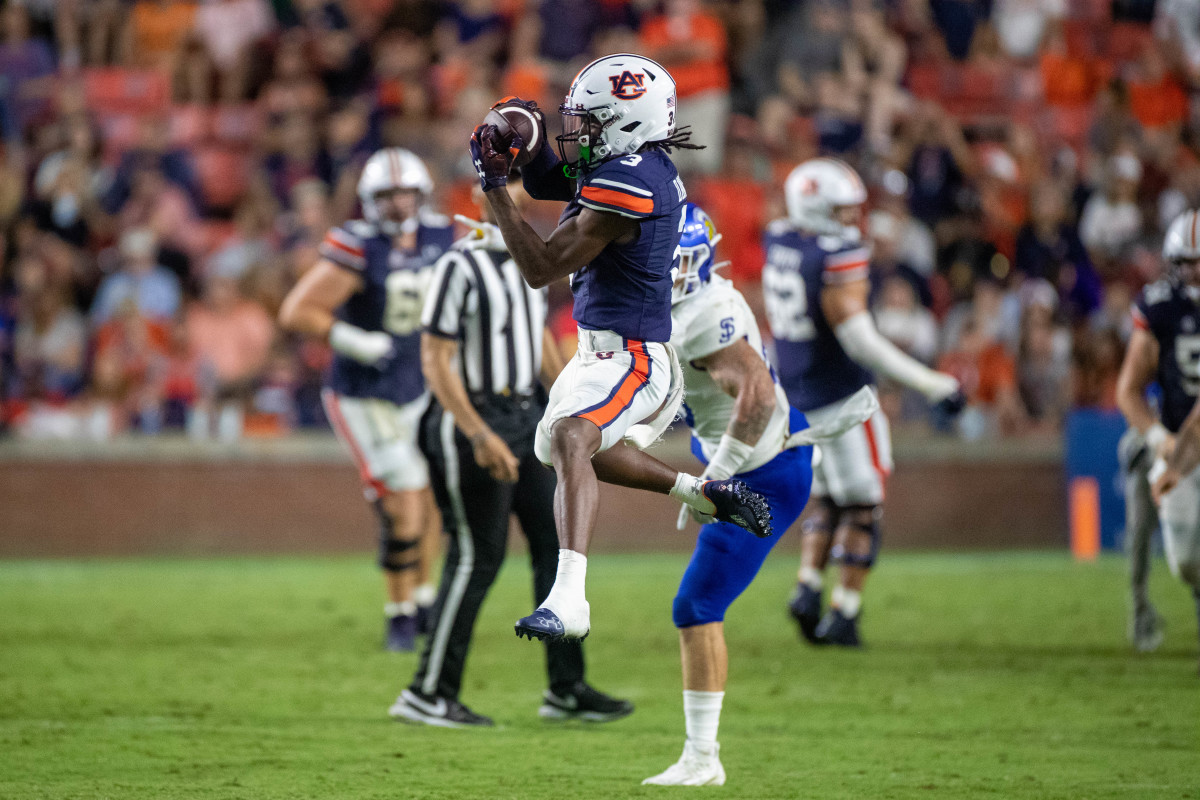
[{"x": 484, "y": 346}]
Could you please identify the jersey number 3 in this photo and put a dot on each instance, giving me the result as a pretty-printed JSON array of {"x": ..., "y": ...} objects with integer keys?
[{"x": 405, "y": 299}]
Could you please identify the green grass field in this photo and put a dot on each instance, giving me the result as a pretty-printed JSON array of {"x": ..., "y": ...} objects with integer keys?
[{"x": 985, "y": 676}]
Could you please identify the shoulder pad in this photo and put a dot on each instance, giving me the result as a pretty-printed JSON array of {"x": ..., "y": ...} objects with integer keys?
[
  {"x": 432, "y": 219},
  {"x": 362, "y": 229},
  {"x": 778, "y": 227},
  {"x": 1158, "y": 292}
]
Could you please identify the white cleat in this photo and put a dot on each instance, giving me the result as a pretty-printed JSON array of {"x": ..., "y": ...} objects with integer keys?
[{"x": 694, "y": 768}]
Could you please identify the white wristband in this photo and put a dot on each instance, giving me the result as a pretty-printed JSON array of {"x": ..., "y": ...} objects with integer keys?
[
  {"x": 365, "y": 347},
  {"x": 730, "y": 456},
  {"x": 1155, "y": 435}
]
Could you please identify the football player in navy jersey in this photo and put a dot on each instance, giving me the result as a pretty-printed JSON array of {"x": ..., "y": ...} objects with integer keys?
[
  {"x": 619, "y": 236},
  {"x": 1165, "y": 346},
  {"x": 365, "y": 297},
  {"x": 815, "y": 286}
]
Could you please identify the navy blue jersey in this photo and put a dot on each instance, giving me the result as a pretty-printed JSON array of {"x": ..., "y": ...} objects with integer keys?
[
  {"x": 391, "y": 299},
  {"x": 627, "y": 288},
  {"x": 812, "y": 366},
  {"x": 1167, "y": 312}
]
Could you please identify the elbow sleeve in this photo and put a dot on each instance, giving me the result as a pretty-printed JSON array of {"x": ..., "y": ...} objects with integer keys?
[{"x": 866, "y": 346}]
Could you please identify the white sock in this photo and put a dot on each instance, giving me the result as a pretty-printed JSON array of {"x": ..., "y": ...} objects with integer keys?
[
  {"x": 702, "y": 715},
  {"x": 405, "y": 608},
  {"x": 848, "y": 601},
  {"x": 812, "y": 578},
  {"x": 568, "y": 589},
  {"x": 687, "y": 489},
  {"x": 425, "y": 594}
]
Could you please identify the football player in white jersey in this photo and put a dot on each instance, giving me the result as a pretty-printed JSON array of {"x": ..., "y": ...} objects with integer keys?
[{"x": 741, "y": 426}]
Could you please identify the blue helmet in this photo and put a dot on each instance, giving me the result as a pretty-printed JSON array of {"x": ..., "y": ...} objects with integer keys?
[{"x": 697, "y": 252}]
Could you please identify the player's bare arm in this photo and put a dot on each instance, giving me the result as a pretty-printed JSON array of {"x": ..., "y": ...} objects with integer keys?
[
  {"x": 439, "y": 358},
  {"x": 572, "y": 245},
  {"x": 1137, "y": 371},
  {"x": 743, "y": 375},
  {"x": 309, "y": 307}
]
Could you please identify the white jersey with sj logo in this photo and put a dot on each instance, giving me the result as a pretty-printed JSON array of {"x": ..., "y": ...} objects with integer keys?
[{"x": 709, "y": 319}]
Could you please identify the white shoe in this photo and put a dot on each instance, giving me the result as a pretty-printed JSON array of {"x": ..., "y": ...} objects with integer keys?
[{"x": 693, "y": 768}]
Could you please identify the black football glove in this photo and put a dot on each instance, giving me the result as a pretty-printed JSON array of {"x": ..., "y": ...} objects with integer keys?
[
  {"x": 950, "y": 407},
  {"x": 492, "y": 160}
]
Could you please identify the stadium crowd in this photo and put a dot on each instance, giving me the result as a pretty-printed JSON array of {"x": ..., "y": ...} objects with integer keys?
[{"x": 168, "y": 169}]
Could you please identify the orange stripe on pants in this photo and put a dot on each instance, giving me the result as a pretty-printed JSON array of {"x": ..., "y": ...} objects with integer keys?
[{"x": 605, "y": 414}]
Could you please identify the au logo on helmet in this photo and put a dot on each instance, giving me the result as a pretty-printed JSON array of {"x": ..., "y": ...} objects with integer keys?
[{"x": 628, "y": 85}]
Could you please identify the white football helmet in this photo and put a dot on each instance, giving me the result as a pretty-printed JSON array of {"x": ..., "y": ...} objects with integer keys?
[
  {"x": 387, "y": 170},
  {"x": 628, "y": 99},
  {"x": 1181, "y": 248},
  {"x": 816, "y": 189}
]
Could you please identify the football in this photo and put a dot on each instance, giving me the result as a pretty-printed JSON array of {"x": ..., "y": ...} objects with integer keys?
[{"x": 512, "y": 118}]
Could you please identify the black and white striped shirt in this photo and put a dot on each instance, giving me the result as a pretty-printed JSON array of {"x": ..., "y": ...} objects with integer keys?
[{"x": 479, "y": 298}]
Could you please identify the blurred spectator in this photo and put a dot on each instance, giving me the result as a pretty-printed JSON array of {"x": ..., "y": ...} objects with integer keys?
[
  {"x": 900, "y": 317},
  {"x": 691, "y": 43},
  {"x": 1048, "y": 247},
  {"x": 887, "y": 262},
  {"x": 1043, "y": 358},
  {"x": 155, "y": 31},
  {"x": 165, "y": 210},
  {"x": 153, "y": 150},
  {"x": 914, "y": 242},
  {"x": 153, "y": 289},
  {"x": 1021, "y": 24},
  {"x": 935, "y": 156},
  {"x": 230, "y": 337},
  {"x": 736, "y": 200},
  {"x": 958, "y": 20},
  {"x": 50, "y": 340},
  {"x": 1111, "y": 219},
  {"x": 229, "y": 29},
  {"x": 69, "y": 183},
  {"x": 343, "y": 61},
  {"x": 1178, "y": 22},
  {"x": 130, "y": 366},
  {"x": 988, "y": 377},
  {"x": 1098, "y": 356},
  {"x": 26, "y": 73},
  {"x": 298, "y": 157}
]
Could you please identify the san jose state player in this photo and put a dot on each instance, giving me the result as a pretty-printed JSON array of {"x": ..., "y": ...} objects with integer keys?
[
  {"x": 1165, "y": 346},
  {"x": 815, "y": 285},
  {"x": 618, "y": 235},
  {"x": 365, "y": 296},
  {"x": 741, "y": 425}
]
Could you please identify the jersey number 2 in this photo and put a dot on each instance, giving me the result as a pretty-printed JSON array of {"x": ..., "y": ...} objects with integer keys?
[
  {"x": 787, "y": 305},
  {"x": 405, "y": 299}
]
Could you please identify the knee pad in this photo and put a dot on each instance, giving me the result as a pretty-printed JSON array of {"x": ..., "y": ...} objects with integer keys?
[
  {"x": 395, "y": 555},
  {"x": 862, "y": 520},
  {"x": 824, "y": 517}
]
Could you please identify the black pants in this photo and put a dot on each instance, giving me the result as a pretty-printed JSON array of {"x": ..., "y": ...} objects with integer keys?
[{"x": 475, "y": 515}]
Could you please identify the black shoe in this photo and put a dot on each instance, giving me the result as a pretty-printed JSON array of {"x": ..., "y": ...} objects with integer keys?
[
  {"x": 839, "y": 630},
  {"x": 584, "y": 703},
  {"x": 736, "y": 502},
  {"x": 805, "y": 607},
  {"x": 401, "y": 634},
  {"x": 416, "y": 706}
]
